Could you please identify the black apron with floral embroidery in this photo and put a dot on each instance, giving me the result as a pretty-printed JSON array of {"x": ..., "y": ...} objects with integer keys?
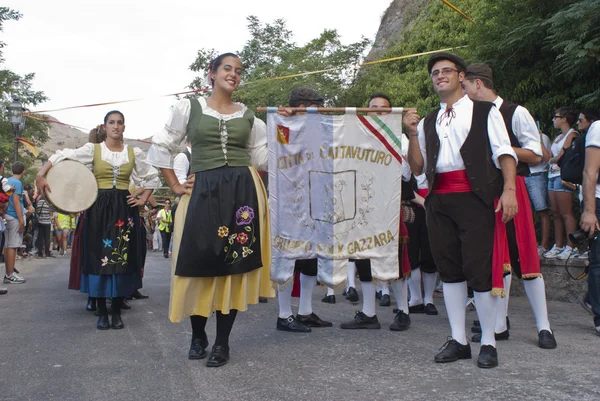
[{"x": 221, "y": 234}]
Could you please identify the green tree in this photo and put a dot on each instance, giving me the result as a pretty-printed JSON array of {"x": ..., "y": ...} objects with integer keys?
[
  {"x": 271, "y": 53},
  {"x": 13, "y": 85}
]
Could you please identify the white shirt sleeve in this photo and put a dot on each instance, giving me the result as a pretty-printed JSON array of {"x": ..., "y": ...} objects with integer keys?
[
  {"x": 421, "y": 137},
  {"x": 499, "y": 140},
  {"x": 527, "y": 133},
  {"x": 144, "y": 175},
  {"x": 165, "y": 144},
  {"x": 181, "y": 166},
  {"x": 592, "y": 138},
  {"x": 257, "y": 145},
  {"x": 84, "y": 154}
]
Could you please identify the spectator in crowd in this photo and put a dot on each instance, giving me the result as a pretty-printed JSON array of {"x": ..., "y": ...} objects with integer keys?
[
  {"x": 45, "y": 214},
  {"x": 537, "y": 187},
  {"x": 561, "y": 197},
  {"x": 63, "y": 227},
  {"x": 15, "y": 224},
  {"x": 165, "y": 219}
]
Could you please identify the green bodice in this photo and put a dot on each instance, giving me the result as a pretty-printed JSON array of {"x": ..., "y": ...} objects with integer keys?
[{"x": 109, "y": 176}]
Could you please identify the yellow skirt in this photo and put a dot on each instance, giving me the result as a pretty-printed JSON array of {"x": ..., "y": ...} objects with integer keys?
[{"x": 204, "y": 295}]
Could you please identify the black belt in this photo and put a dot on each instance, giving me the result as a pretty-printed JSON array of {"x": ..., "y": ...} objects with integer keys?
[{"x": 540, "y": 173}]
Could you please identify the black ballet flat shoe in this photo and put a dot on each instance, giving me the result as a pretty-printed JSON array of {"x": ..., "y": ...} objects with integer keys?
[
  {"x": 138, "y": 295},
  {"x": 91, "y": 305},
  {"x": 218, "y": 356},
  {"x": 313, "y": 320},
  {"x": 546, "y": 339},
  {"x": 290, "y": 324},
  {"x": 352, "y": 295},
  {"x": 385, "y": 300},
  {"x": 198, "y": 348},
  {"x": 117, "y": 322},
  {"x": 125, "y": 305},
  {"x": 488, "y": 357},
  {"x": 416, "y": 309},
  {"x": 103, "y": 323},
  {"x": 499, "y": 336},
  {"x": 262, "y": 300},
  {"x": 328, "y": 299},
  {"x": 452, "y": 351},
  {"x": 431, "y": 310}
]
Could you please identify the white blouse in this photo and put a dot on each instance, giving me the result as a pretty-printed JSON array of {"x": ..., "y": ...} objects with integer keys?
[
  {"x": 166, "y": 143},
  {"x": 143, "y": 175},
  {"x": 453, "y": 133}
]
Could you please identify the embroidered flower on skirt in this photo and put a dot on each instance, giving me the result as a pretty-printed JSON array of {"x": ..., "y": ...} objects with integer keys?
[
  {"x": 223, "y": 231},
  {"x": 244, "y": 218},
  {"x": 244, "y": 215},
  {"x": 120, "y": 250}
]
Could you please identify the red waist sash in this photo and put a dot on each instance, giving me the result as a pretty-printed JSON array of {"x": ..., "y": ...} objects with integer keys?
[
  {"x": 423, "y": 192},
  {"x": 451, "y": 182}
]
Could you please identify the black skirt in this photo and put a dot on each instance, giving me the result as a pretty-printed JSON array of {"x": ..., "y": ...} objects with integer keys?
[
  {"x": 221, "y": 234},
  {"x": 111, "y": 235}
]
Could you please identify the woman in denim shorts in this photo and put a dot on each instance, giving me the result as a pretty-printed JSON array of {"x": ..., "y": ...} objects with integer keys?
[{"x": 561, "y": 198}]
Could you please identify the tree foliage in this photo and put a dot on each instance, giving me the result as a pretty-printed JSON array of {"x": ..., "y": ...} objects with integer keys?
[{"x": 13, "y": 85}]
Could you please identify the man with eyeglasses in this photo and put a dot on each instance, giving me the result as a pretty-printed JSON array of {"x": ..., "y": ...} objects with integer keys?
[
  {"x": 522, "y": 242},
  {"x": 461, "y": 146}
]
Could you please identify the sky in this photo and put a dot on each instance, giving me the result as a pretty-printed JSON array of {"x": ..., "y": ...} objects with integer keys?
[{"x": 85, "y": 52}]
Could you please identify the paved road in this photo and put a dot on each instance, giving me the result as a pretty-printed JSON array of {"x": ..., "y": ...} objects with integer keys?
[{"x": 51, "y": 350}]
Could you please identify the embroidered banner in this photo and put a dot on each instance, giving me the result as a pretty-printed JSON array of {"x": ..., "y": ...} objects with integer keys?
[{"x": 334, "y": 193}]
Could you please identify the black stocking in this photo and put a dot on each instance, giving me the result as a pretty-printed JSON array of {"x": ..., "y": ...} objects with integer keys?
[
  {"x": 117, "y": 302},
  {"x": 102, "y": 311},
  {"x": 224, "y": 326},
  {"x": 198, "y": 326}
]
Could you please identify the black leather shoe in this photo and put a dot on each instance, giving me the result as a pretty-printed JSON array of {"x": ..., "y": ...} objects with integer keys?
[
  {"x": 138, "y": 295},
  {"x": 416, "y": 309},
  {"x": 103, "y": 323},
  {"x": 452, "y": 351},
  {"x": 290, "y": 324},
  {"x": 378, "y": 295},
  {"x": 488, "y": 357},
  {"x": 262, "y": 300},
  {"x": 166, "y": 255},
  {"x": 385, "y": 300},
  {"x": 117, "y": 322},
  {"x": 352, "y": 295},
  {"x": 198, "y": 348},
  {"x": 499, "y": 336},
  {"x": 313, "y": 320},
  {"x": 91, "y": 304},
  {"x": 430, "y": 309},
  {"x": 476, "y": 327},
  {"x": 362, "y": 321},
  {"x": 328, "y": 299},
  {"x": 125, "y": 305},
  {"x": 401, "y": 322},
  {"x": 218, "y": 356},
  {"x": 546, "y": 339}
]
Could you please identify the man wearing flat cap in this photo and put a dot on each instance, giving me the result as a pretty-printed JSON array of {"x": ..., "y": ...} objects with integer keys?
[
  {"x": 461, "y": 147},
  {"x": 522, "y": 242},
  {"x": 306, "y": 318}
]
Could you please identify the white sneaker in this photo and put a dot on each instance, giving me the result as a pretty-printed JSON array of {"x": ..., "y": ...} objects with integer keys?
[
  {"x": 553, "y": 252},
  {"x": 542, "y": 251},
  {"x": 568, "y": 253},
  {"x": 585, "y": 255},
  {"x": 13, "y": 279}
]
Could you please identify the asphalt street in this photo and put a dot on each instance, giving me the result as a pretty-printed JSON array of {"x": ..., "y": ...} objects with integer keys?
[{"x": 51, "y": 350}]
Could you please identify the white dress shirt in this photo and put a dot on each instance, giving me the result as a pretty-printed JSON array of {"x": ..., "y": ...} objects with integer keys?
[
  {"x": 181, "y": 166},
  {"x": 523, "y": 125},
  {"x": 453, "y": 134},
  {"x": 592, "y": 138}
]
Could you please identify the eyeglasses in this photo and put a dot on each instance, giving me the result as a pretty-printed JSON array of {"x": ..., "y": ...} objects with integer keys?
[
  {"x": 444, "y": 71},
  {"x": 555, "y": 117}
]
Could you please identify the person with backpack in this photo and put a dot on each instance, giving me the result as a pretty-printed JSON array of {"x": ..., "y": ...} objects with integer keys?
[{"x": 560, "y": 195}]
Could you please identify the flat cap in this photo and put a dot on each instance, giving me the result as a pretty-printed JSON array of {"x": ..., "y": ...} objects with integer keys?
[
  {"x": 479, "y": 70},
  {"x": 434, "y": 58}
]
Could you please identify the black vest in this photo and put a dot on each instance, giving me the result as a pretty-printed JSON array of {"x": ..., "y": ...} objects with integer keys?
[
  {"x": 508, "y": 111},
  {"x": 484, "y": 177}
]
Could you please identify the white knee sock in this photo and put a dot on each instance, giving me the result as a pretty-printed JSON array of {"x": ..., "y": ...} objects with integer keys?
[
  {"x": 400, "y": 289},
  {"x": 502, "y": 307},
  {"x": 330, "y": 291},
  {"x": 486, "y": 305},
  {"x": 351, "y": 275},
  {"x": 284, "y": 296},
  {"x": 455, "y": 295},
  {"x": 383, "y": 287},
  {"x": 368, "y": 291},
  {"x": 536, "y": 292},
  {"x": 307, "y": 284},
  {"x": 429, "y": 280},
  {"x": 414, "y": 284}
]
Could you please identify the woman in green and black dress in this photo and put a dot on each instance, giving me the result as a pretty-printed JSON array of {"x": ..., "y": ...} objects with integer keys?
[{"x": 221, "y": 250}]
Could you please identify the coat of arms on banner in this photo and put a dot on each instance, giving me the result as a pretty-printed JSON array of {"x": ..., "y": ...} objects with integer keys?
[
  {"x": 334, "y": 193},
  {"x": 332, "y": 196}
]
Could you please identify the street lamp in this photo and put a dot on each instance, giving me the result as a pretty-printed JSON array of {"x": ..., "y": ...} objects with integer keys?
[{"x": 17, "y": 119}]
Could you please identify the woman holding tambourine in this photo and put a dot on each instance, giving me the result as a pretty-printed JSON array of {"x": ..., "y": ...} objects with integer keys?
[{"x": 111, "y": 257}]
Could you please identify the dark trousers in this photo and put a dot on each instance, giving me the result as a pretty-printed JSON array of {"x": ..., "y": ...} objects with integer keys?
[
  {"x": 594, "y": 273},
  {"x": 461, "y": 235},
  {"x": 166, "y": 240},
  {"x": 43, "y": 239},
  {"x": 419, "y": 251}
]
